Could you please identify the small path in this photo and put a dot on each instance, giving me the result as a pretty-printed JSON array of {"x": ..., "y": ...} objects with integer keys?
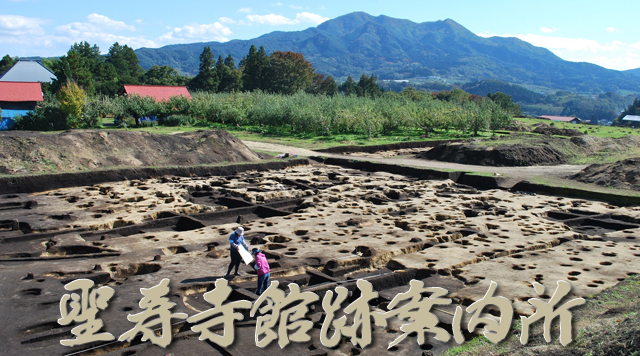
[{"x": 520, "y": 172}]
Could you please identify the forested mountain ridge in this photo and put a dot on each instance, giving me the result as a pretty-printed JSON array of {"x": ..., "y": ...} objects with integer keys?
[
  {"x": 633, "y": 71},
  {"x": 395, "y": 49}
]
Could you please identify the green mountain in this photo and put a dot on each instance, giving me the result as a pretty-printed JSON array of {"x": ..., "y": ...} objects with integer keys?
[
  {"x": 633, "y": 71},
  {"x": 393, "y": 48}
]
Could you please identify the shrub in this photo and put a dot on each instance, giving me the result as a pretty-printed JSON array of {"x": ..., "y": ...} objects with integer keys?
[
  {"x": 72, "y": 101},
  {"x": 178, "y": 120}
]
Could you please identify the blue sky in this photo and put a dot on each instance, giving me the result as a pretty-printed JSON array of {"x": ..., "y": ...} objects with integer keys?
[{"x": 606, "y": 33}]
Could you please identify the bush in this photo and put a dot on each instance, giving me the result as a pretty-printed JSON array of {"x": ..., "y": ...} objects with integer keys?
[
  {"x": 46, "y": 117},
  {"x": 178, "y": 120}
]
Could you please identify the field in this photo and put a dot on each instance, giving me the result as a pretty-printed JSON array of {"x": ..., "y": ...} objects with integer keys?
[{"x": 322, "y": 224}]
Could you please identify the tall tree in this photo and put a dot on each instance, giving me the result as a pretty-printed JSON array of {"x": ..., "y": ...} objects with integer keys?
[
  {"x": 164, "y": 75},
  {"x": 233, "y": 81},
  {"x": 289, "y": 72},
  {"x": 78, "y": 66},
  {"x": 254, "y": 69},
  {"x": 323, "y": 85},
  {"x": 229, "y": 62},
  {"x": 348, "y": 87},
  {"x": 368, "y": 86},
  {"x": 126, "y": 63},
  {"x": 228, "y": 75},
  {"x": 206, "y": 80},
  {"x": 506, "y": 103},
  {"x": 6, "y": 63}
]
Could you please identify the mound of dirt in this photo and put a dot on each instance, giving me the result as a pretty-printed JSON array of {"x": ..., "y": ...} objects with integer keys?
[
  {"x": 545, "y": 129},
  {"x": 622, "y": 174},
  {"x": 511, "y": 155},
  {"x": 80, "y": 150},
  {"x": 593, "y": 144},
  {"x": 517, "y": 126}
]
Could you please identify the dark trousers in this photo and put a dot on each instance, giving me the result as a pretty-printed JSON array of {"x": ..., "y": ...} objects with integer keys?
[
  {"x": 235, "y": 261},
  {"x": 263, "y": 283}
]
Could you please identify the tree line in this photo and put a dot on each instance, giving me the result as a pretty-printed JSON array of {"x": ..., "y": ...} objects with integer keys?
[{"x": 277, "y": 90}]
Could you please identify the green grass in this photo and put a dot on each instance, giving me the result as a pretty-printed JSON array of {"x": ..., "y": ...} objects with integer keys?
[
  {"x": 593, "y": 130},
  {"x": 308, "y": 141}
]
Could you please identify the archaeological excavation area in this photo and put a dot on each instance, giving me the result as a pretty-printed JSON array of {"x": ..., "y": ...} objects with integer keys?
[{"x": 320, "y": 226}]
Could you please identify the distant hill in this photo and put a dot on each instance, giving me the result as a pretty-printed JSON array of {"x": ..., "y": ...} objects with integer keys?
[
  {"x": 633, "y": 71},
  {"x": 518, "y": 93},
  {"x": 393, "y": 48}
]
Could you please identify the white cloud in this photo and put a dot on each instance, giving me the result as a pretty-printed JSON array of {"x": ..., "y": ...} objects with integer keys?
[
  {"x": 103, "y": 31},
  {"x": 95, "y": 24},
  {"x": 612, "y": 30},
  {"x": 614, "y": 55},
  {"x": 276, "y": 20},
  {"x": 27, "y": 33},
  {"x": 271, "y": 19},
  {"x": 13, "y": 25},
  {"x": 226, "y": 20},
  {"x": 295, "y": 7},
  {"x": 245, "y": 10},
  {"x": 311, "y": 18},
  {"x": 547, "y": 30},
  {"x": 277, "y": 4},
  {"x": 190, "y": 33}
]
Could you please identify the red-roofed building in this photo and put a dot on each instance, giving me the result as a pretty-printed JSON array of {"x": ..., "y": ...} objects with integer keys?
[
  {"x": 571, "y": 119},
  {"x": 16, "y": 98},
  {"x": 158, "y": 92}
]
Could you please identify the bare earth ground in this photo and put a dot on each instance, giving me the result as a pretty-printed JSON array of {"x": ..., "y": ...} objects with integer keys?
[
  {"x": 520, "y": 172},
  {"x": 344, "y": 224},
  {"x": 320, "y": 226},
  {"x": 24, "y": 152}
]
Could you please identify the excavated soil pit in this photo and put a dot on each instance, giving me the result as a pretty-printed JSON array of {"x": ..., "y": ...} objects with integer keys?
[{"x": 320, "y": 226}]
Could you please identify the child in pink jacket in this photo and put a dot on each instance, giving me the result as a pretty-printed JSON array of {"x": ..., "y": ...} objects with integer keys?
[{"x": 264, "y": 272}]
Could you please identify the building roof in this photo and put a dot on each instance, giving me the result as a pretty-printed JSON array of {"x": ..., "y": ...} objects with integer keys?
[
  {"x": 631, "y": 118},
  {"x": 28, "y": 71},
  {"x": 20, "y": 91},
  {"x": 158, "y": 92},
  {"x": 560, "y": 118}
]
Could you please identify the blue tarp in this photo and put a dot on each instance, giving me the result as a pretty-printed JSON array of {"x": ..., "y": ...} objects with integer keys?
[{"x": 6, "y": 124}]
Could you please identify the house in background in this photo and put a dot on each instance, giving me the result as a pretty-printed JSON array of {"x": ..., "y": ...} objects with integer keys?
[
  {"x": 17, "y": 98},
  {"x": 28, "y": 71},
  {"x": 157, "y": 92},
  {"x": 571, "y": 119},
  {"x": 630, "y": 120}
]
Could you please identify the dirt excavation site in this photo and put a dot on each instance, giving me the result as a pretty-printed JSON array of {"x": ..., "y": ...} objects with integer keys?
[{"x": 320, "y": 224}]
